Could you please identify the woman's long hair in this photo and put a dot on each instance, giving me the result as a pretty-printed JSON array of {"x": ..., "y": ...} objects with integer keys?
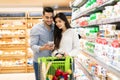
[{"x": 57, "y": 31}]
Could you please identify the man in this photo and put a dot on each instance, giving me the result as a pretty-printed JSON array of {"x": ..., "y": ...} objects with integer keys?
[{"x": 40, "y": 35}]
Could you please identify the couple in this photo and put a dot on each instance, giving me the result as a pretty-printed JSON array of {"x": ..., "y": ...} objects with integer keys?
[{"x": 60, "y": 32}]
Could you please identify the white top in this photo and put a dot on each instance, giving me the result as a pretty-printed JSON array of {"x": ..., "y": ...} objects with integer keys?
[{"x": 70, "y": 42}]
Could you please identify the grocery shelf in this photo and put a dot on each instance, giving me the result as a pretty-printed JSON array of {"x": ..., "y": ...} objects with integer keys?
[
  {"x": 11, "y": 36},
  {"x": 12, "y": 69},
  {"x": 88, "y": 54},
  {"x": 93, "y": 9},
  {"x": 86, "y": 72},
  {"x": 81, "y": 3},
  {"x": 13, "y": 48},
  {"x": 12, "y": 28},
  {"x": 13, "y": 44},
  {"x": 104, "y": 21},
  {"x": 80, "y": 14},
  {"x": 30, "y": 69},
  {"x": 15, "y": 56},
  {"x": 110, "y": 68},
  {"x": 14, "y": 35}
]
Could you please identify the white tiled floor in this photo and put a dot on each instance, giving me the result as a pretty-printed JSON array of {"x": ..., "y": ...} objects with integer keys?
[{"x": 17, "y": 76}]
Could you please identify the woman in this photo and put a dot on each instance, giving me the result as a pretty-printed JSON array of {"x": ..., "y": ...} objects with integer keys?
[{"x": 65, "y": 38}]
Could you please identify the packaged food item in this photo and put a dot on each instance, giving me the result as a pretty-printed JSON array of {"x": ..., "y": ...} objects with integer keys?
[{"x": 51, "y": 43}]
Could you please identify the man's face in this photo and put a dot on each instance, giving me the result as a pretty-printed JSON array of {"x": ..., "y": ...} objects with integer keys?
[{"x": 48, "y": 18}]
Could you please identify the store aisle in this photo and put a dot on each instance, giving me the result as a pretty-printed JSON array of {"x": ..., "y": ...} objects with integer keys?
[{"x": 17, "y": 76}]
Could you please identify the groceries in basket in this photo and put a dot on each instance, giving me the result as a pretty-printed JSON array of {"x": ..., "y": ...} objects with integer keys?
[
  {"x": 54, "y": 68},
  {"x": 50, "y": 43},
  {"x": 60, "y": 75}
]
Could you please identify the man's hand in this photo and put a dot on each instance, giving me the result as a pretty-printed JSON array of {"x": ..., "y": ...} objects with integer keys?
[{"x": 47, "y": 47}]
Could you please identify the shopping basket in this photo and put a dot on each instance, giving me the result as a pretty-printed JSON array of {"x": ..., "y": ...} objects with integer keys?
[{"x": 63, "y": 64}]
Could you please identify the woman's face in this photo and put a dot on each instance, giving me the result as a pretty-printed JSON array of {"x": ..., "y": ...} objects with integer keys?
[{"x": 60, "y": 23}]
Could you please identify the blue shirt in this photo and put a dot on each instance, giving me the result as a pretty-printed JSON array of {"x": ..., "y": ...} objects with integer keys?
[{"x": 40, "y": 35}]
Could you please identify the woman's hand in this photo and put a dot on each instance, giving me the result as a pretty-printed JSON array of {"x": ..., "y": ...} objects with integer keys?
[
  {"x": 65, "y": 54},
  {"x": 59, "y": 55}
]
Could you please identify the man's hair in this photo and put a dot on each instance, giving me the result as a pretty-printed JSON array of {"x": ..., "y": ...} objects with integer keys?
[{"x": 47, "y": 9}]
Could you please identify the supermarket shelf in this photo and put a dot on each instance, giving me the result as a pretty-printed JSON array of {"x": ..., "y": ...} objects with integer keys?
[
  {"x": 13, "y": 28},
  {"x": 12, "y": 69},
  {"x": 110, "y": 68},
  {"x": 16, "y": 69},
  {"x": 86, "y": 72},
  {"x": 80, "y": 14},
  {"x": 105, "y": 21},
  {"x": 30, "y": 69},
  {"x": 15, "y": 48},
  {"x": 12, "y": 46},
  {"x": 29, "y": 66},
  {"x": 81, "y": 3},
  {"x": 11, "y": 36},
  {"x": 94, "y": 9},
  {"x": 88, "y": 54},
  {"x": 14, "y": 42},
  {"x": 15, "y": 56}
]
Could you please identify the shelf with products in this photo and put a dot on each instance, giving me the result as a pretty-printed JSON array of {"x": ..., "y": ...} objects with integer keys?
[
  {"x": 30, "y": 61},
  {"x": 86, "y": 72},
  {"x": 13, "y": 48},
  {"x": 93, "y": 68},
  {"x": 114, "y": 20},
  {"x": 91, "y": 7},
  {"x": 104, "y": 21},
  {"x": 30, "y": 69},
  {"x": 16, "y": 56},
  {"x": 13, "y": 44},
  {"x": 101, "y": 45},
  {"x": 103, "y": 50},
  {"x": 15, "y": 27},
  {"x": 34, "y": 18},
  {"x": 13, "y": 69},
  {"x": 110, "y": 68},
  {"x": 108, "y": 16},
  {"x": 32, "y": 21},
  {"x": 98, "y": 19},
  {"x": 78, "y": 3},
  {"x": 105, "y": 55},
  {"x": 90, "y": 71}
]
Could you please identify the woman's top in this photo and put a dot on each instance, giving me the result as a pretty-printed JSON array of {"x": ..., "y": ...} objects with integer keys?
[{"x": 69, "y": 43}]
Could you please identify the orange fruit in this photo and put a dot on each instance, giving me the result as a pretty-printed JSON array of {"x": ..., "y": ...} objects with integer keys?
[{"x": 69, "y": 71}]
